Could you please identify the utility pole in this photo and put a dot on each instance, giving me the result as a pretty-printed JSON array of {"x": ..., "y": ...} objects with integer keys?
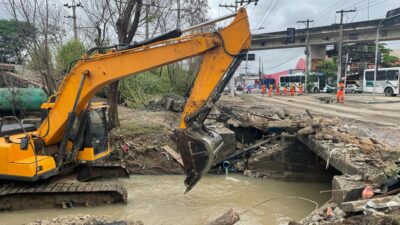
[
  {"x": 339, "y": 72},
  {"x": 178, "y": 12},
  {"x": 308, "y": 52},
  {"x": 73, "y": 7},
  {"x": 235, "y": 7},
  {"x": 147, "y": 21}
]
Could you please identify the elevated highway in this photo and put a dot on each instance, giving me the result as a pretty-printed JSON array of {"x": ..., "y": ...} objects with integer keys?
[{"x": 357, "y": 32}]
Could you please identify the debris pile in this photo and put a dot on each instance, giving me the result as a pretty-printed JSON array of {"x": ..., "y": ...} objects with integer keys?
[
  {"x": 83, "y": 220},
  {"x": 139, "y": 141}
]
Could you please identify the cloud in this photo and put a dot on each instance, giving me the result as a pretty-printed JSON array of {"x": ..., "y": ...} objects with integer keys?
[{"x": 287, "y": 12}]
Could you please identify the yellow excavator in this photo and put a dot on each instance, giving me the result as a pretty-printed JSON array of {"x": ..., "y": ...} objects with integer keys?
[{"x": 74, "y": 130}]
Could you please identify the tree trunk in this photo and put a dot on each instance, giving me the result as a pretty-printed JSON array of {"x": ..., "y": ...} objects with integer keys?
[
  {"x": 126, "y": 31},
  {"x": 113, "y": 102}
]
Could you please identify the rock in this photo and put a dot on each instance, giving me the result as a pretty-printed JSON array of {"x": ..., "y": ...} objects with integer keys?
[
  {"x": 390, "y": 169},
  {"x": 377, "y": 178},
  {"x": 366, "y": 141},
  {"x": 327, "y": 137},
  {"x": 286, "y": 112},
  {"x": 315, "y": 218},
  {"x": 229, "y": 218},
  {"x": 339, "y": 213},
  {"x": 306, "y": 131},
  {"x": 390, "y": 154},
  {"x": 342, "y": 129},
  {"x": 276, "y": 117},
  {"x": 281, "y": 114}
]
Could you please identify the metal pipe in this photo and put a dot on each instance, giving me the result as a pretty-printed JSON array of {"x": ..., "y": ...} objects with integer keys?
[{"x": 222, "y": 18}]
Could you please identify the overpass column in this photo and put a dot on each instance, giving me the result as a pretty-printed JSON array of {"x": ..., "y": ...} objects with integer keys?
[{"x": 317, "y": 52}]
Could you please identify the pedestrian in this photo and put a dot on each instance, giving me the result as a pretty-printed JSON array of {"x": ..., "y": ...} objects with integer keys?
[
  {"x": 285, "y": 90},
  {"x": 263, "y": 89},
  {"x": 271, "y": 87},
  {"x": 292, "y": 89},
  {"x": 340, "y": 92},
  {"x": 278, "y": 89},
  {"x": 300, "y": 89}
]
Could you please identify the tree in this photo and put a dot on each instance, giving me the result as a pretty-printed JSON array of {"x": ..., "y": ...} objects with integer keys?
[
  {"x": 388, "y": 59},
  {"x": 67, "y": 53},
  {"x": 12, "y": 48},
  {"x": 45, "y": 18},
  {"x": 127, "y": 22},
  {"x": 98, "y": 15}
]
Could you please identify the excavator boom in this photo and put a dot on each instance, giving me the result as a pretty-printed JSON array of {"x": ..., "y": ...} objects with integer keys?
[{"x": 222, "y": 52}]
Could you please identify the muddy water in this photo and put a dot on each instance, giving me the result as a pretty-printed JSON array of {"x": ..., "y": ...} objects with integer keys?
[{"x": 160, "y": 200}]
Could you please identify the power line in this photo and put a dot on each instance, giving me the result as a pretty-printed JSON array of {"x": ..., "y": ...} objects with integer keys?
[
  {"x": 287, "y": 60},
  {"x": 329, "y": 9},
  {"x": 270, "y": 12},
  {"x": 266, "y": 12}
]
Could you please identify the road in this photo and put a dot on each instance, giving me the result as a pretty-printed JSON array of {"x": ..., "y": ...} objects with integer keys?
[{"x": 379, "y": 119}]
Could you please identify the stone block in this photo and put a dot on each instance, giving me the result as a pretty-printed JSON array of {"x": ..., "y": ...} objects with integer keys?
[
  {"x": 344, "y": 190},
  {"x": 228, "y": 136}
]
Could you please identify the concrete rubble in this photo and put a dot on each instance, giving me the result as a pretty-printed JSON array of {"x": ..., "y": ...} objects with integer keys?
[{"x": 360, "y": 160}]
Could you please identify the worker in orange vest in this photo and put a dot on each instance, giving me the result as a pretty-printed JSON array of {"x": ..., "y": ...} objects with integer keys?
[
  {"x": 285, "y": 90},
  {"x": 271, "y": 87},
  {"x": 263, "y": 89},
  {"x": 292, "y": 89},
  {"x": 300, "y": 89},
  {"x": 278, "y": 89},
  {"x": 340, "y": 92}
]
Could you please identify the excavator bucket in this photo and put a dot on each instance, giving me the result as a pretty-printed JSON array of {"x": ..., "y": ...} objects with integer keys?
[{"x": 198, "y": 147}]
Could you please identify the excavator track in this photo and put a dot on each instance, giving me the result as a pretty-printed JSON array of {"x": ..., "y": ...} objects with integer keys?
[
  {"x": 102, "y": 169},
  {"x": 60, "y": 194}
]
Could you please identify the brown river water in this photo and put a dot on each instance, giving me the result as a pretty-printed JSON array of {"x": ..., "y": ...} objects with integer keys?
[{"x": 160, "y": 200}]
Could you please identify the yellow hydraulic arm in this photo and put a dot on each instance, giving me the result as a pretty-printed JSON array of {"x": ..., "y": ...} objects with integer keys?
[
  {"x": 218, "y": 49},
  {"x": 221, "y": 53}
]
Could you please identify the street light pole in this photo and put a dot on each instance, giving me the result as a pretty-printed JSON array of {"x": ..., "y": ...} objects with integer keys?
[
  {"x": 377, "y": 49},
  {"x": 308, "y": 51},
  {"x": 376, "y": 56}
]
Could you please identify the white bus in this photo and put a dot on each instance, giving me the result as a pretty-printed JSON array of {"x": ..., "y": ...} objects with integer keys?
[
  {"x": 387, "y": 81},
  {"x": 319, "y": 86}
]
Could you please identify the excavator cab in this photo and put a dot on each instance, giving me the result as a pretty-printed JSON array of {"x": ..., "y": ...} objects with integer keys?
[{"x": 95, "y": 135}]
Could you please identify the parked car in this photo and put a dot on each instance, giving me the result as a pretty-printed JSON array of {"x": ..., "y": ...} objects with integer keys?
[
  {"x": 252, "y": 89},
  {"x": 353, "y": 88}
]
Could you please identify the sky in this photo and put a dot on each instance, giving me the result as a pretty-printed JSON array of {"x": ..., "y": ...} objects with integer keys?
[{"x": 277, "y": 15}]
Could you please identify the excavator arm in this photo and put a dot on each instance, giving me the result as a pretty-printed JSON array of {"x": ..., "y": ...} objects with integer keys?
[{"x": 222, "y": 52}]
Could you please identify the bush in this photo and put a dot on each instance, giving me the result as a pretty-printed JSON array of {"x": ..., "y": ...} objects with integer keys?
[
  {"x": 67, "y": 53},
  {"x": 139, "y": 89}
]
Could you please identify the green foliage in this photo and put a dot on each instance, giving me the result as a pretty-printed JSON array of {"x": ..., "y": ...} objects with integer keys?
[
  {"x": 328, "y": 67},
  {"x": 67, "y": 53},
  {"x": 388, "y": 60},
  {"x": 139, "y": 89},
  {"x": 13, "y": 38}
]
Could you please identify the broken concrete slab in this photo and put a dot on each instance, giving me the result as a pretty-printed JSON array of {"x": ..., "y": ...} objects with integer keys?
[
  {"x": 345, "y": 189},
  {"x": 376, "y": 203}
]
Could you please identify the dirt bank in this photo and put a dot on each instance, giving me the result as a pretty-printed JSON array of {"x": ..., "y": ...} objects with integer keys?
[{"x": 139, "y": 140}]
